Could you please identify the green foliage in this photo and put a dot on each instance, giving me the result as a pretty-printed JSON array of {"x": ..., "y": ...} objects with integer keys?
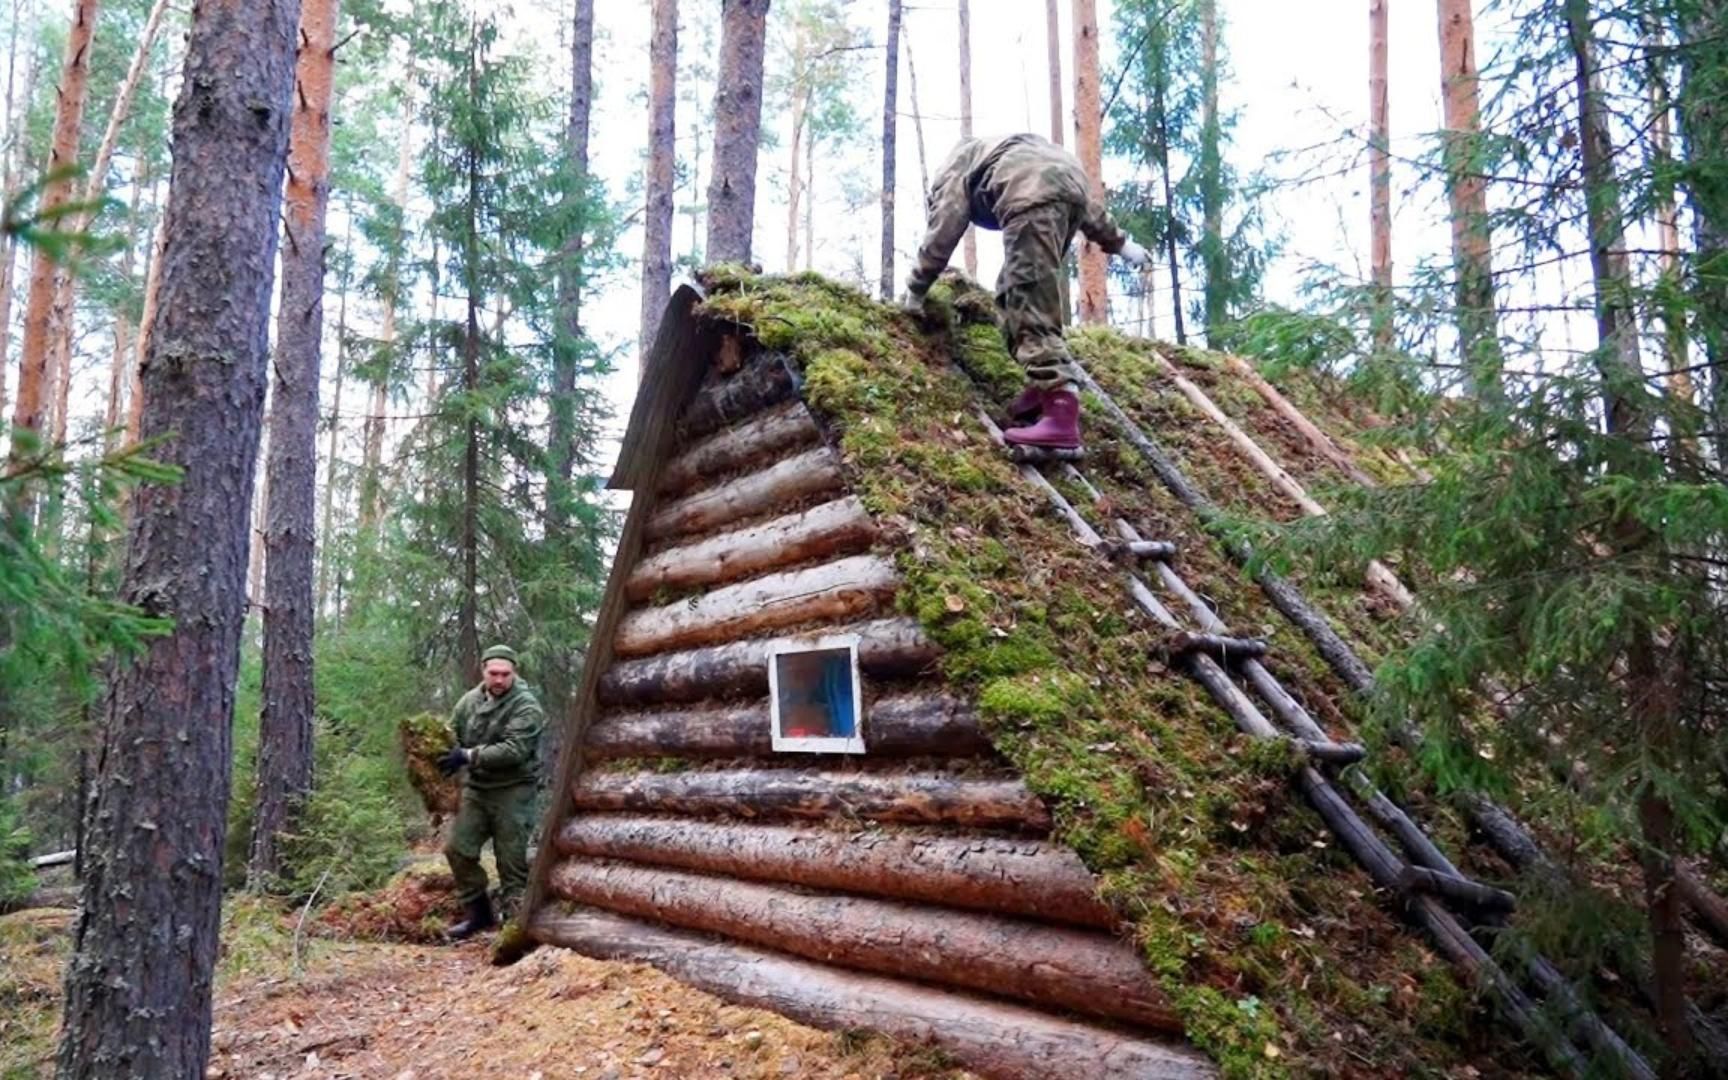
[{"x": 16, "y": 876}]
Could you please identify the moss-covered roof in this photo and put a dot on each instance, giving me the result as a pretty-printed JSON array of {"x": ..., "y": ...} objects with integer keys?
[{"x": 1273, "y": 943}]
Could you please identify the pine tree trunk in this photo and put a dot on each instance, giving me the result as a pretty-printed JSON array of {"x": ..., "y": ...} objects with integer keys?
[
  {"x": 662, "y": 163},
  {"x": 969, "y": 247},
  {"x": 285, "y": 723},
  {"x": 326, "y": 531},
  {"x": 468, "y": 631},
  {"x": 1703, "y": 104},
  {"x": 1380, "y": 173},
  {"x": 138, "y": 989},
  {"x": 890, "y": 110},
  {"x": 60, "y": 314},
  {"x": 1053, "y": 47},
  {"x": 1094, "y": 303},
  {"x": 1212, "y": 178},
  {"x": 34, "y": 377},
  {"x": 372, "y": 438},
  {"x": 917, "y": 118},
  {"x": 737, "y": 130},
  {"x": 1472, "y": 247}
]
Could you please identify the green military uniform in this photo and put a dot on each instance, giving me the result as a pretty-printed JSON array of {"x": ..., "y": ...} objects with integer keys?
[
  {"x": 503, "y": 734},
  {"x": 1036, "y": 193}
]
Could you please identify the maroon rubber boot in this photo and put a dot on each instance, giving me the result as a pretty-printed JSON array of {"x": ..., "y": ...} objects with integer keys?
[
  {"x": 1057, "y": 429},
  {"x": 1028, "y": 405}
]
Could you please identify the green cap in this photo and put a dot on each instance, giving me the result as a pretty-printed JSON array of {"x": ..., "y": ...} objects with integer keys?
[{"x": 500, "y": 652}]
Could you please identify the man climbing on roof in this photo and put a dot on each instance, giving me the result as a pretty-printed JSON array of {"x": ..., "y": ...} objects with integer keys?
[
  {"x": 497, "y": 727},
  {"x": 1036, "y": 193}
]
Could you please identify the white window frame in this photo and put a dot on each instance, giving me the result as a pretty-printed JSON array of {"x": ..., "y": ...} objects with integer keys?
[{"x": 815, "y": 745}]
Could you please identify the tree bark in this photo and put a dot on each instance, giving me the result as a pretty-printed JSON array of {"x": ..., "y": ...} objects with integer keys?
[
  {"x": 1472, "y": 245},
  {"x": 139, "y": 985},
  {"x": 833, "y": 528},
  {"x": 969, "y": 247},
  {"x": 782, "y": 429},
  {"x": 1053, "y": 51},
  {"x": 285, "y": 722},
  {"x": 1048, "y": 966},
  {"x": 887, "y": 648},
  {"x": 1030, "y": 878},
  {"x": 905, "y": 725},
  {"x": 848, "y": 588},
  {"x": 890, "y": 116},
  {"x": 662, "y": 161},
  {"x": 737, "y": 130},
  {"x": 814, "y": 472},
  {"x": 1212, "y": 250},
  {"x": 1094, "y": 301},
  {"x": 1004, "y": 1041},
  {"x": 34, "y": 376},
  {"x": 905, "y": 798}
]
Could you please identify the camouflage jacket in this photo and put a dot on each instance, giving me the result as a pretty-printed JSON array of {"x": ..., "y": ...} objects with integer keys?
[
  {"x": 985, "y": 182},
  {"x": 503, "y": 732}
]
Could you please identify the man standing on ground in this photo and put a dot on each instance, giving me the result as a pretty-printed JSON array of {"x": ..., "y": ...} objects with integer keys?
[
  {"x": 1035, "y": 192},
  {"x": 497, "y": 740}
]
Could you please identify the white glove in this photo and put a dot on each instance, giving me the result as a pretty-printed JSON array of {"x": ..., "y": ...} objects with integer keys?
[{"x": 1135, "y": 255}]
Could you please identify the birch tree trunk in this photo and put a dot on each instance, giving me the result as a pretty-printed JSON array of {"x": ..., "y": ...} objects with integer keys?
[
  {"x": 1380, "y": 173},
  {"x": 285, "y": 723},
  {"x": 1472, "y": 245},
  {"x": 138, "y": 988},
  {"x": 1053, "y": 47},
  {"x": 969, "y": 247},
  {"x": 662, "y": 160},
  {"x": 33, "y": 373},
  {"x": 1094, "y": 301},
  {"x": 737, "y": 130},
  {"x": 890, "y": 110}
]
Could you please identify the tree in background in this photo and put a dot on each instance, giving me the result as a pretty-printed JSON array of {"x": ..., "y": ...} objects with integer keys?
[
  {"x": 890, "y": 113},
  {"x": 1094, "y": 301},
  {"x": 1380, "y": 173},
  {"x": 816, "y": 70},
  {"x": 969, "y": 246},
  {"x": 139, "y": 985},
  {"x": 737, "y": 130},
  {"x": 662, "y": 162},
  {"x": 1472, "y": 241}
]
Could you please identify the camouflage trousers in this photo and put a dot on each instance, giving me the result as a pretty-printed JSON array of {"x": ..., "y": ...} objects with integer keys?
[
  {"x": 1029, "y": 292},
  {"x": 504, "y": 816}
]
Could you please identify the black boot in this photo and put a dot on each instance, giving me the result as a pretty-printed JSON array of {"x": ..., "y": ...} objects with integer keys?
[{"x": 479, "y": 918}]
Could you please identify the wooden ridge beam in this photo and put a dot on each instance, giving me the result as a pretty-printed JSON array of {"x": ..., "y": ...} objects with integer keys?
[
  {"x": 907, "y": 798},
  {"x": 1030, "y": 878},
  {"x": 814, "y": 472},
  {"x": 1008, "y": 1042},
  {"x": 887, "y": 648},
  {"x": 834, "y": 528},
  {"x": 846, "y": 588},
  {"x": 1047, "y": 966},
  {"x": 787, "y": 426},
  {"x": 903, "y": 725}
]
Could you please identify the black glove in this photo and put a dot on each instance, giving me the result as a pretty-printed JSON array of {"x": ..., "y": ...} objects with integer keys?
[{"x": 454, "y": 760}]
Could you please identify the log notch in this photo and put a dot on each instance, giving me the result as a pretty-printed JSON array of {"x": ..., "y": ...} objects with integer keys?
[
  {"x": 844, "y": 589},
  {"x": 1004, "y": 1041},
  {"x": 905, "y": 725},
  {"x": 1044, "y": 965},
  {"x": 786, "y": 427},
  {"x": 763, "y": 381},
  {"x": 909, "y": 798},
  {"x": 814, "y": 472},
  {"x": 1032, "y": 878},
  {"x": 887, "y": 648},
  {"x": 833, "y": 528}
]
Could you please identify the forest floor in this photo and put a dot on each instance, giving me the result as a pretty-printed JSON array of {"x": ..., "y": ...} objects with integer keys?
[{"x": 422, "y": 1012}]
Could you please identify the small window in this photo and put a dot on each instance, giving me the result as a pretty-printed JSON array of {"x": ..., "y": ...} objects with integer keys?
[{"x": 814, "y": 698}]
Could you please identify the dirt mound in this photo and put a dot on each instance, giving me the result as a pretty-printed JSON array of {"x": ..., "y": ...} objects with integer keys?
[{"x": 414, "y": 907}]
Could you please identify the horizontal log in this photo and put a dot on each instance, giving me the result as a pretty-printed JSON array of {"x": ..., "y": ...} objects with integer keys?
[
  {"x": 763, "y": 381},
  {"x": 1138, "y": 550},
  {"x": 1043, "y": 455},
  {"x": 986, "y": 873},
  {"x": 843, "y": 589},
  {"x": 1458, "y": 889},
  {"x": 908, "y": 798},
  {"x": 783, "y": 428},
  {"x": 840, "y": 527},
  {"x": 1008, "y": 1042},
  {"x": 1053, "y": 967},
  {"x": 802, "y": 476},
  {"x": 1709, "y": 910},
  {"x": 905, "y": 725},
  {"x": 56, "y": 858},
  {"x": 1332, "y": 753},
  {"x": 1219, "y": 647},
  {"x": 887, "y": 648}
]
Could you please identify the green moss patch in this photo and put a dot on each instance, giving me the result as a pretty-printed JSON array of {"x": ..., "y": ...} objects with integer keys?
[{"x": 1267, "y": 938}]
